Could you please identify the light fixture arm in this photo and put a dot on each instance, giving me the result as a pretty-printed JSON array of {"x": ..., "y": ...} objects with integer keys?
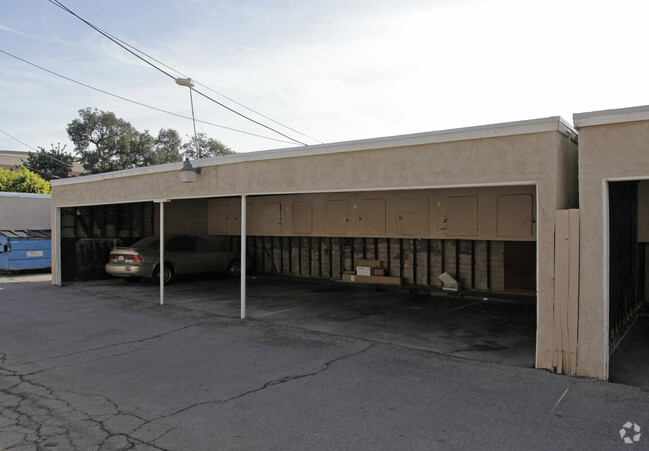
[
  {"x": 190, "y": 84},
  {"x": 191, "y": 101}
]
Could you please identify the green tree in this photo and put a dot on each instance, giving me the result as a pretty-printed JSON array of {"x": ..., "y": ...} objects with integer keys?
[
  {"x": 140, "y": 150},
  {"x": 50, "y": 164},
  {"x": 23, "y": 181},
  {"x": 208, "y": 147},
  {"x": 167, "y": 146},
  {"x": 102, "y": 141},
  {"x": 107, "y": 143}
]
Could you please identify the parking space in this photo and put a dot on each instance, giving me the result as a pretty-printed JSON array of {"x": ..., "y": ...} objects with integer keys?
[
  {"x": 100, "y": 365},
  {"x": 485, "y": 330},
  {"x": 630, "y": 360}
]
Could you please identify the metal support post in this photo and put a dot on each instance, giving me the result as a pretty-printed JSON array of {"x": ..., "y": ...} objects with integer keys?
[{"x": 244, "y": 265}]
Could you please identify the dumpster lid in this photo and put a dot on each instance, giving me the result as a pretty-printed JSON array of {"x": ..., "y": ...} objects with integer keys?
[{"x": 30, "y": 234}]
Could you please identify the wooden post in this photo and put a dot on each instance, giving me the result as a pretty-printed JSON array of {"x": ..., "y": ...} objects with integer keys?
[{"x": 566, "y": 291}]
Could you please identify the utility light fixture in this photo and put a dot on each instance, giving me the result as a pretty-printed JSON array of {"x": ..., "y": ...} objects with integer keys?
[
  {"x": 188, "y": 172},
  {"x": 185, "y": 82}
]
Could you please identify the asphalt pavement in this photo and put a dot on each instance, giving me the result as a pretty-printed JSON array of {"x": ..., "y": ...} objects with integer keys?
[{"x": 88, "y": 367}]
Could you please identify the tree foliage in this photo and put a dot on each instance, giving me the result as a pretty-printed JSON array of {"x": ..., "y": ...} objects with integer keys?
[
  {"x": 167, "y": 146},
  {"x": 101, "y": 140},
  {"x": 50, "y": 164},
  {"x": 23, "y": 181},
  {"x": 208, "y": 147},
  {"x": 107, "y": 143}
]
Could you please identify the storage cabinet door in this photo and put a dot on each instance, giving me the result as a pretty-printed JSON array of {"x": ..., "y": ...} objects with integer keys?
[{"x": 460, "y": 216}]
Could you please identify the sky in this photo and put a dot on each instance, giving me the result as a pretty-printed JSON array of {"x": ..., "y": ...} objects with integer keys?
[{"x": 318, "y": 71}]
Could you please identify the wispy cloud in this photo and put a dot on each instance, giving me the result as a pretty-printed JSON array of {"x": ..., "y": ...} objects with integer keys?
[
  {"x": 336, "y": 69},
  {"x": 20, "y": 33}
]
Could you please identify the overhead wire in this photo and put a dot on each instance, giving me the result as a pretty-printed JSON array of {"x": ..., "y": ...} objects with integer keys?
[
  {"x": 41, "y": 172},
  {"x": 246, "y": 117},
  {"x": 36, "y": 150},
  {"x": 260, "y": 114},
  {"x": 210, "y": 89},
  {"x": 207, "y": 87},
  {"x": 140, "y": 103},
  {"x": 16, "y": 139},
  {"x": 116, "y": 41},
  {"x": 22, "y": 163},
  {"x": 65, "y": 8}
]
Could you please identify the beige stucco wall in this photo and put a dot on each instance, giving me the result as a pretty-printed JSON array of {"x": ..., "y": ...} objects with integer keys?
[
  {"x": 616, "y": 150},
  {"x": 534, "y": 158},
  {"x": 509, "y": 159},
  {"x": 21, "y": 211}
]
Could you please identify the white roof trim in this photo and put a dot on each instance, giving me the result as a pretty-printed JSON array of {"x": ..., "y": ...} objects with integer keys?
[
  {"x": 549, "y": 124},
  {"x": 617, "y": 116},
  {"x": 282, "y": 193},
  {"x": 26, "y": 195}
]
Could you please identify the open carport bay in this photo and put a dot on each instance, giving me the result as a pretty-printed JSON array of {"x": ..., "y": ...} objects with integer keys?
[{"x": 486, "y": 330}]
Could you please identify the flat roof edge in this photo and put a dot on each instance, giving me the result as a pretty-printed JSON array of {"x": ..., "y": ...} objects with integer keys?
[
  {"x": 614, "y": 116},
  {"x": 293, "y": 192},
  {"x": 26, "y": 195},
  {"x": 549, "y": 124}
]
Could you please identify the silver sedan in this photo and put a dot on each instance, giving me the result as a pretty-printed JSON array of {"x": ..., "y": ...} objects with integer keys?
[{"x": 184, "y": 254}]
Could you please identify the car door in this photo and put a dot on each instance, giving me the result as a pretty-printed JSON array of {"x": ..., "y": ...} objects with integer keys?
[
  {"x": 211, "y": 257},
  {"x": 181, "y": 252}
]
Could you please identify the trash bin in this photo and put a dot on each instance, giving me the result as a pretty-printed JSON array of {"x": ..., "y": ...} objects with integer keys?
[{"x": 25, "y": 250}]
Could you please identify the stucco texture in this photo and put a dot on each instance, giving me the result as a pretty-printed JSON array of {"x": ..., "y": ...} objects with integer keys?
[
  {"x": 605, "y": 152},
  {"x": 24, "y": 212},
  {"x": 539, "y": 159}
]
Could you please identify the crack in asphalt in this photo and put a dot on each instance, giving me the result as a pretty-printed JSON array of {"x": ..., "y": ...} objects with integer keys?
[
  {"x": 33, "y": 414},
  {"x": 112, "y": 345},
  {"x": 26, "y": 417},
  {"x": 279, "y": 381},
  {"x": 50, "y": 368}
]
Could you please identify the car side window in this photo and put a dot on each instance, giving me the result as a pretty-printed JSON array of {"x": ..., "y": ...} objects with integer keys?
[
  {"x": 205, "y": 246},
  {"x": 181, "y": 244}
]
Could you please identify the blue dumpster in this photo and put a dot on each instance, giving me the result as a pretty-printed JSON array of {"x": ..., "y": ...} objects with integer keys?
[{"x": 25, "y": 250}]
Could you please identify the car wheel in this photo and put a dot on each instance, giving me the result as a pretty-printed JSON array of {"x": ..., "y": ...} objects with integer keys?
[
  {"x": 234, "y": 268},
  {"x": 168, "y": 274}
]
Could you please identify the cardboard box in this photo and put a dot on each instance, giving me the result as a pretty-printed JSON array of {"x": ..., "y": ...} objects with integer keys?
[
  {"x": 364, "y": 271},
  {"x": 370, "y": 263}
]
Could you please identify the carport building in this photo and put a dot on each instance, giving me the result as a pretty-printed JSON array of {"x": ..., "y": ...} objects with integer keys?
[
  {"x": 479, "y": 203},
  {"x": 614, "y": 210}
]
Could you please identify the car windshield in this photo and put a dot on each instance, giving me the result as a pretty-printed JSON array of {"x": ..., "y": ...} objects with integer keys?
[{"x": 151, "y": 243}]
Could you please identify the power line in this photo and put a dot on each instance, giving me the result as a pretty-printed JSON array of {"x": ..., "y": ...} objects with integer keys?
[
  {"x": 113, "y": 37},
  {"x": 16, "y": 139},
  {"x": 210, "y": 89},
  {"x": 35, "y": 150},
  {"x": 257, "y": 112},
  {"x": 65, "y": 8},
  {"x": 140, "y": 103},
  {"x": 22, "y": 163},
  {"x": 41, "y": 172},
  {"x": 244, "y": 116},
  {"x": 116, "y": 41}
]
